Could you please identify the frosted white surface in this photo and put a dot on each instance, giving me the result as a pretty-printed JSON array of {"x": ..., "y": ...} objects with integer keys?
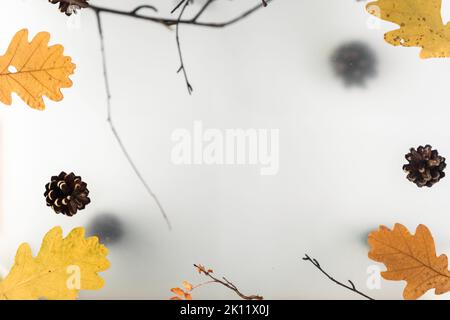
[{"x": 341, "y": 150}]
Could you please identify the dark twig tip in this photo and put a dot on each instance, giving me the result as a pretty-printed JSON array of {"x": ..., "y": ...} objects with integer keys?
[{"x": 352, "y": 284}]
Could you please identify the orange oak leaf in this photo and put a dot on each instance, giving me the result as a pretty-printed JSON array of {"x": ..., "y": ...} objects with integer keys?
[
  {"x": 410, "y": 257},
  {"x": 33, "y": 70}
]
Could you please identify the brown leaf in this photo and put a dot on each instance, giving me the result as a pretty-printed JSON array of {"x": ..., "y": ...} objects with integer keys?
[
  {"x": 411, "y": 258},
  {"x": 187, "y": 296}
]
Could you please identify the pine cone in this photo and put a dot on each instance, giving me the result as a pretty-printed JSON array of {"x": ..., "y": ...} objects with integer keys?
[
  {"x": 425, "y": 167},
  {"x": 70, "y": 6},
  {"x": 66, "y": 194}
]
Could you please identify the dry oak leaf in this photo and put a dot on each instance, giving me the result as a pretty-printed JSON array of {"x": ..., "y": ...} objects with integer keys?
[
  {"x": 411, "y": 258},
  {"x": 33, "y": 70},
  {"x": 420, "y": 24},
  {"x": 61, "y": 268}
]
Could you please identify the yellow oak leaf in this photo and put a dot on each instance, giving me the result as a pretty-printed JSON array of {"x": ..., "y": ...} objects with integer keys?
[
  {"x": 420, "y": 24},
  {"x": 411, "y": 258},
  {"x": 62, "y": 267},
  {"x": 33, "y": 70}
]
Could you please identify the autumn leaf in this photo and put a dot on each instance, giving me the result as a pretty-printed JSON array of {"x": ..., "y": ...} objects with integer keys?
[
  {"x": 177, "y": 291},
  {"x": 411, "y": 258},
  {"x": 181, "y": 293},
  {"x": 420, "y": 24},
  {"x": 187, "y": 286},
  {"x": 202, "y": 269},
  {"x": 33, "y": 70},
  {"x": 61, "y": 268}
]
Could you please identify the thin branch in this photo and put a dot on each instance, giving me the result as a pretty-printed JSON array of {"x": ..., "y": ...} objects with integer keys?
[
  {"x": 225, "y": 282},
  {"x": 180, "y": 54},
  {"x": 135, "y": 13},
  {"x": 139, "y": 8},
  {"x": 114, "y": 130},
  {"x": 352, "y": 287},
  {"x": 202, "y": 10},
  {"x": 173, "y": 21},
  {"x": 178, "y": 6}
]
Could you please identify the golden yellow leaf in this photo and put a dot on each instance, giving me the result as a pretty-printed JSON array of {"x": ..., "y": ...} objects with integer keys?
[
  {"x": 33, "y": 69},
  {"x": 420, "y": 24},
  {"x": 61, "y": 268},
  {"x": 411, "y": 258}
]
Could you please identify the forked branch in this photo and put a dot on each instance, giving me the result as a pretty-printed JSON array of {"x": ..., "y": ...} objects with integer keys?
[
  {"x": 225, "y": 282},
  {"x": 136, "y": 13},
  {"x": 351, "y": 285}
]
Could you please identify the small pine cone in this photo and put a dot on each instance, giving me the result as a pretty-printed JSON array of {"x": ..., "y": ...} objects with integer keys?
[
  {"x": 66, "y": 194},
  {"x": 425, "y": 167},
  {"x": 70, "y": 6}
]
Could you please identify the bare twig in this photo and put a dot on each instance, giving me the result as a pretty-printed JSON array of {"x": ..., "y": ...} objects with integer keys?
[
  {"x": 136, "y": 13},
  {"x": 139, "y": 8},
  {"x": 202, "y": 10},
  {"x": 352, "y": 286},
  {"x": 174, "y": 21},
  {"x": 178, "y": 6},
  {"x": 225, "y": 282},
  {"x": 182, "y": 67},
  {"x": 114, "y": 130}
]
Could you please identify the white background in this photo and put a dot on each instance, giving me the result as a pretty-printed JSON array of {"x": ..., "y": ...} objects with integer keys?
[{"x": 341, "y": 150}]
